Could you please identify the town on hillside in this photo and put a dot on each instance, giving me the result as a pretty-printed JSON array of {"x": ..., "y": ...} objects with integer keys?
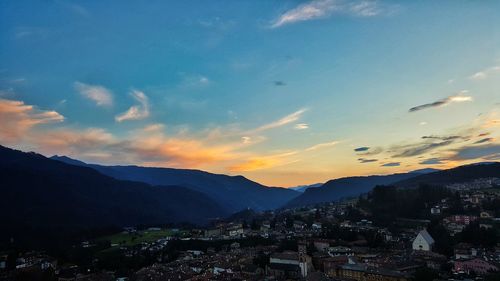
[{"x": 390, "y": 234}]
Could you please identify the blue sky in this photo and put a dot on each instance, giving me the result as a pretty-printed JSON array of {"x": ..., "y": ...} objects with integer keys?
[{"x": 280, "y": 91}]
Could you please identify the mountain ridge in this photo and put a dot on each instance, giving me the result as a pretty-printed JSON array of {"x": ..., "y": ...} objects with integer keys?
[{"x": 235, "y": 193}]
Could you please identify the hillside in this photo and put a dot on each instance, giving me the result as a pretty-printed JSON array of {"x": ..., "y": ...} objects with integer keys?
[
  {"x": 344, "y": 187},
  {"x": 455, "y": 175},
  {"x": 37, "y": 191},
  {"x": 235, "y": 193}
]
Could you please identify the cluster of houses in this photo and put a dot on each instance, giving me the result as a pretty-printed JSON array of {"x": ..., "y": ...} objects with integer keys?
[{"x": 401, "y": 251}]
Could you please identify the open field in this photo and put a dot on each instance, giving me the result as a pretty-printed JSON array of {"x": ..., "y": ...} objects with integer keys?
[{"x": 131, "y": 239}]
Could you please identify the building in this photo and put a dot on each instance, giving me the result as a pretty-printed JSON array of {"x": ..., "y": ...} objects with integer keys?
[
  {"x": 423, "y": 241},
  {"x": 476, "y": 265},
  {"x": 290, "y": 264},
  {"x": 361, "y": 272}
]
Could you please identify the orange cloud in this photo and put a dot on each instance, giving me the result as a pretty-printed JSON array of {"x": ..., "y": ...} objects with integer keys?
[
  {"x": 16, "y": 118},
  {"x": 263, "y": 162}
]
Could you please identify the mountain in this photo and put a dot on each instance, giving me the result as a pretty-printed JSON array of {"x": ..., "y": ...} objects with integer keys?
[
  {"x": 302, "y": 188},
  {"x": 344, "y": 187},
  {"x": 455, "y": 175},
  {"x": 39, "y": 192},
  {"x": 235, "y": 193}
]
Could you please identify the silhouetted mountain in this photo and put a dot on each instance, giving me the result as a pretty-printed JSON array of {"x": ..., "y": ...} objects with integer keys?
[
  {"x": 40, "y": 192},
  {"x": 455, "y": 175},
  {"x": 233, "y": 192},
  {"x": 302, "y": 188},
  {"x": 344, "y": 187}
]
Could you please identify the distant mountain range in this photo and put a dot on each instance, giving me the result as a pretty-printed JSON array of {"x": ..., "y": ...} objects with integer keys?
[
  {"x": 336, "y": 189},
  {"x": 39, "y": 192},
  {"x": 459, "y": 174},
  {"x": 233, "y": 193},
  {"x": 64, "y": 192},
  {"x": 302, "y": 188}
]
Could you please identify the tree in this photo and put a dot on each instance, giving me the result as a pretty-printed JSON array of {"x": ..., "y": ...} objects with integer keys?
[{"x": 425, "y": 274}]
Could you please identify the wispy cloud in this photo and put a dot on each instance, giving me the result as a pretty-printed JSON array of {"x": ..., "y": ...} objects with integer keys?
[
  {"x": 283, "y": 121},
  {"x": 391, "y": 164},
  {"x": 98, "y": 94},
  {"x": 263, "y": 162},
  {"x": 317, "y": 9},
  {"x": 365, "y": 150},
  {"x": 431, "y": 161},
  {"x": 322, "y": 145},
  {"x": 461, "y": 97},
  {"x": 417, "y": 149},
  {"x": 487, "y": 151},
  {"x": 484, "y": 140},
  {"x": 136, "y": 112},
  {"x": 16, "y": 118},
  {"x": 483, "y": 74},
  {"x": 301, "y": 126},
  {"x": 364, "y": 160}
]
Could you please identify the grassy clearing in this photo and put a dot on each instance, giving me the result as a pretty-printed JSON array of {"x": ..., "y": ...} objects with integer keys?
[{"x": 132, "y": 239}]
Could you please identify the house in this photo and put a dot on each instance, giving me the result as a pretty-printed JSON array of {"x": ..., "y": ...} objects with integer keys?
[
  {"x": 340, "y": 251},
  {"x": 316, "y": 226},
  {"x": 435, "y": 210},
  {"x": 299, "y": 225},
  {"x": 423, "y": 241},
  {"x": 475, "y": 265},
  {"x": 235, "y": 230},
  {"x": 486, "y": 215},
  {"x": 364, "y": 273}
]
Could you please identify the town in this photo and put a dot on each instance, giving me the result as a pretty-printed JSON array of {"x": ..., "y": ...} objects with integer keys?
[{"x": 453, "y": 235}]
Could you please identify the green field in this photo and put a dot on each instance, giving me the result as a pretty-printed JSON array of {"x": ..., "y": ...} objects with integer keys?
[{"x": 132, "y": 239}]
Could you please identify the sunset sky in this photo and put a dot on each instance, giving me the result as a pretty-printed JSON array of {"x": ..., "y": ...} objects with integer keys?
[{"x": 283, "y": 92}]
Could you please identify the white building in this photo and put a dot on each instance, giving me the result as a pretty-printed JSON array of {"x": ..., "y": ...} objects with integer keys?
[{"x": 423, "y": 241}]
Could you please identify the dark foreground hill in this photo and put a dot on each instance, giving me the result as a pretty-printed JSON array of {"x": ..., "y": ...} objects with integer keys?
[
  {"x": 234, "y": 193},
  {"x": 37, "y": 191}
]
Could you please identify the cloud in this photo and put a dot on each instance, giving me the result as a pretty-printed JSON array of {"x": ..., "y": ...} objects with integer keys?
[
  {"x": 391, "y": 164},
  {"x": 483, "y": 74},
  {"x": 487, "y": 151},
  {"x": 309, "y": 11},
  {"x": 365, "y": 9},
  {"x": 322, "y": 145},
  {"x": 301, "y": 126},
  {"x": 431, "y": 161},
  {"x": 136, "y": 112},
  {"x": 263, "y": 162},
  {"x": 279, "y": 83},
  {"x": 443, "y": 102},
  {"x": 445, "y": 138},
  {"x": 99, "y": 94},
  {"x": 365, "y": 150},
  {"x": 364, "y": 160},
  {"x": 281, "y": 122},
  {"x": 246, "y": 140},
  {"x": 16, "y": 118},
  {"x": 190, "y": 81},
  {"x": 418, "y": 149},
  {"x": 484, "y": 140},
  {"x": 318, "y": 9}
]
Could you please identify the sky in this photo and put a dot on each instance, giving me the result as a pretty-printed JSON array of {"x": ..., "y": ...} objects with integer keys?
[{"x": 284, "y": 92}]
